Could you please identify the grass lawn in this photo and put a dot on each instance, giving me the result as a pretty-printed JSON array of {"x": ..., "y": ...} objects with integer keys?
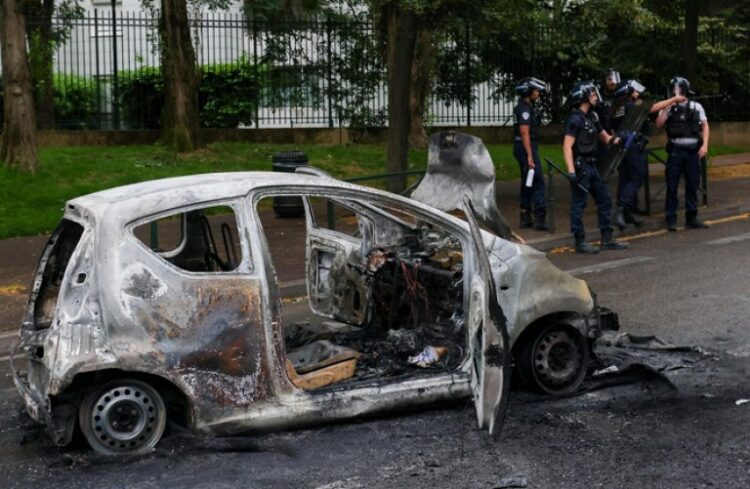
[{"x": 33, "y": 204}]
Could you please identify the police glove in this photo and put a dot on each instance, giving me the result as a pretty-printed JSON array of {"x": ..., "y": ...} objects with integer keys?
[{"x": 573, "y": 177}]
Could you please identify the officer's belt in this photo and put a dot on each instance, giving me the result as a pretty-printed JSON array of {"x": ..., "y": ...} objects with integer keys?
[{"x": 591, "y": 160}]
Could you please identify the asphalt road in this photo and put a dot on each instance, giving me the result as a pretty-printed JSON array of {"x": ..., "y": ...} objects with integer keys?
[{"x": 689, "y": 287}]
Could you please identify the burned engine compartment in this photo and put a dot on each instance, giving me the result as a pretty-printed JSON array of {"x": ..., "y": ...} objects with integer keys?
[{"x": 415, "y": 318}]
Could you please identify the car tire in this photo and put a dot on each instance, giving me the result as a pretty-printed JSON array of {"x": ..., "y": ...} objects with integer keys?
[
  {"x": 555, "y": 360},
  {"x": 123, "y": 417}
]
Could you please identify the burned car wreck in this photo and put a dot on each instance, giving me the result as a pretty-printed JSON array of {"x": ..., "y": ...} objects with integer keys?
[{"x": 160, "y": 301}]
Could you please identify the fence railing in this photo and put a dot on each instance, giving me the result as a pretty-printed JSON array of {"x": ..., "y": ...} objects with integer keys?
[{"x": 312, "y": 73}]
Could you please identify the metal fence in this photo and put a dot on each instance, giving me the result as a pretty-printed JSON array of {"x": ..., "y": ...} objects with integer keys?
[{"x": 313, "y": 73}]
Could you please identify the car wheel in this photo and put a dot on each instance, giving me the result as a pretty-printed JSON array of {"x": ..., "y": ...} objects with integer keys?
[
  {"x": 555, "y": 360},
  {"x": 124, "y": 416}
]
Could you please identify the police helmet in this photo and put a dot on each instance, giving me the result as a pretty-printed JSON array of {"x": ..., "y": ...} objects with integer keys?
[
  {"x": 680, "y": 86},
  {"x": 612, "y": 75},
  {"x": 581, "y": 92},
  {"x": 627, "y": 87},
  {"x": 528, "y": 85}
]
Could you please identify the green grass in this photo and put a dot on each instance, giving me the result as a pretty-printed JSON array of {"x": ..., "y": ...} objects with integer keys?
[{"x": 32, "y": 204}]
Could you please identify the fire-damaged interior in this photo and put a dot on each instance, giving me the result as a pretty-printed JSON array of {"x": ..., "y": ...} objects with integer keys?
[{"x": 387, "y": 290}]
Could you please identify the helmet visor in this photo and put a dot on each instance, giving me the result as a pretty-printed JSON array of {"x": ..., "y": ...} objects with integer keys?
[{"x": 612, "y": 76}]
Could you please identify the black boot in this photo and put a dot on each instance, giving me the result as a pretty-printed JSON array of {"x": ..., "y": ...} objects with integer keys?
[
  {"x": 619, "y": 219},
  {"x": 610, "y": 243},
  {"x": 630, "y": 217},
  {"x": 583, "y": 246},
  {"x": 540, "y": 222},
  {"x": 526, "y": 221}
]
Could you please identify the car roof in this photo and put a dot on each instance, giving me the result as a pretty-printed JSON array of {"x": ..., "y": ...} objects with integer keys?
[{"x": 157, "y": 195}]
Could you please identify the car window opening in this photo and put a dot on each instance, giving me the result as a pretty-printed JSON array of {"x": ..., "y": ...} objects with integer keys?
[
  {"x": 61, "y": 246},
  {"x": 385, "y": 294},
  {"x": 201, "y": 240}
]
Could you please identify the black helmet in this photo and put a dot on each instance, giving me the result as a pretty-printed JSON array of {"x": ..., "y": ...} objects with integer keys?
[
  {"x": 581, "y": 92},
  {"x": 627, "y": 87},
  {"x": 680, "y": 86},
  {"x": 528, "y": 85}
]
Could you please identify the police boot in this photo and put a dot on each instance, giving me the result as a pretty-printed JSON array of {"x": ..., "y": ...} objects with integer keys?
[
  {"x": 583, "y": 246},
  {"x": 526, "y": 221},
  {"x": 632, "y": 218},
  {"x": 540, "y": 222},
  {"x": 620, "y": 218},
  {"x": 610, "y": 243}
]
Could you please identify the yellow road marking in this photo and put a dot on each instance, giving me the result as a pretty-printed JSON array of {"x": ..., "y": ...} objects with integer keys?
[{"x": 12, "y": 290}]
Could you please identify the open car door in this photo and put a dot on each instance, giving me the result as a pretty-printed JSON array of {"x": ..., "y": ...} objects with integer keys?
[{"x": 488, "y": 342}]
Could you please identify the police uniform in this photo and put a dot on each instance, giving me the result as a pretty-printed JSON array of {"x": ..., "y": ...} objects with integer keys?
[
  {"x": 585, "y": 128},
  {"x": 633, "y": 169},
  {"x": 531, "y": 197},
  {"x": 684, "y": 126}
]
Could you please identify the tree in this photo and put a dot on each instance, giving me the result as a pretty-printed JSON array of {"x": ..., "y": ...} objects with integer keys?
[
  {"x": 690, "y": 42},
  {"x": 19, "y": 143},
  {"x": 44, "y": 38},
  {"x": 180, "y": 118}
]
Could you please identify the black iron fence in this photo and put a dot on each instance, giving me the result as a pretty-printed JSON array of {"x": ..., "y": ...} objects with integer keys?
[{"x": 313, "y": 73}]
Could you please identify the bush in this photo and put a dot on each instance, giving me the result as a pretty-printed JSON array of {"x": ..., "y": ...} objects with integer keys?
[
  {"x": 76, "y": 102},
  {"x": 227, "y": 96}
]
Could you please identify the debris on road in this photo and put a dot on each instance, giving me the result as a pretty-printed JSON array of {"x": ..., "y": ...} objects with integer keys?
[
  {"x": 512, "y": 481},
  {"x": 740, "y": 402}
]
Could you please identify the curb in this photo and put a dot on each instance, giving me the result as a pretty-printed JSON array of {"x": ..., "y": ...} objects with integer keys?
[{"x": 651, "y": 223}]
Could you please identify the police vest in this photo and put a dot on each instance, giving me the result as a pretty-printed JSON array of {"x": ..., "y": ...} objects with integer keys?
[
  {"x": 683, "y": 121},
  {"x": 586, "y": 139}
]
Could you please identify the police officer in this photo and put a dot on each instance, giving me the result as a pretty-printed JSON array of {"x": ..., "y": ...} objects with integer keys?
[
  {"x": 582, "y": 129},
  {"x": 608, "y": 93},
  {"x": 687, "y": 133},
  {"x": 525, "y": 150},
  {"x": 632, "y": 171}
]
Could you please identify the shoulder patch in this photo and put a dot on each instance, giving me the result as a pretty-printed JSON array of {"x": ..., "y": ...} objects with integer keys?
[{"x": 525, "y": 115}]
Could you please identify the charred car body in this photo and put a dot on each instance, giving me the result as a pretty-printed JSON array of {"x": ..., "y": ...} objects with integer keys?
[{"x": 160, "y": 300}]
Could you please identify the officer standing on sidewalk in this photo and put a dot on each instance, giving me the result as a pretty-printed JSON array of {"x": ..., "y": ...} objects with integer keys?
[
  {"x": 687, "y": 132},
  {"x": 525, "y": 150},
  {"x": 582, "y": 130},
  {"x": 632, "y": 171},
  {"x": 608, "y": 93}
]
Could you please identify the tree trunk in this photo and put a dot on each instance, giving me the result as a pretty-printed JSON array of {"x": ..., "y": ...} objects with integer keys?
[
  {"x": 41, "y": 52},
  {"x": 421, "y": 78},
  {"x": 19, "y": 144},
  {"x": 690, "y": 45},
  {"x": 401, "y": 27},
  {"x": 180, "y": 77}
]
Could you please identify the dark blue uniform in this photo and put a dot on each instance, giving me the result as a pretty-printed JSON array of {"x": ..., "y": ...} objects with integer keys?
[
  {"x": 684, "y": 133},
  {"x": 585, "y": 128},
  {"x": 531, "y": 197},
  {"x": 633, "y": 169}
]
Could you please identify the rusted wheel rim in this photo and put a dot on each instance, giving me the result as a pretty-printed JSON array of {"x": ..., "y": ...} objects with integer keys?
[
  {"x": 127, "y": 417},
  {"x": 558, "y": 359}
]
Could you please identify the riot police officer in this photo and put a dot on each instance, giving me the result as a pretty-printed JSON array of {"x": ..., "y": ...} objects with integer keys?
[
  {"x": 608, "y": 93},
  {"x": 687, "y": 134},
  {"x": 632, "y": 171},
  {"x": 525, "y": 150},
  {"x": 582, "y": 130}
]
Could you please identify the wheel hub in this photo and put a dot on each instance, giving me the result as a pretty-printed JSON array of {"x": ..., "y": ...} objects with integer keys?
[
  {"x": 123, "y": 418},
  {"x": 557, "y": 358}
]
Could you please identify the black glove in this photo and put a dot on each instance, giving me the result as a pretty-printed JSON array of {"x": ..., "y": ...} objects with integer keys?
[{"x": 573, "y": 177}]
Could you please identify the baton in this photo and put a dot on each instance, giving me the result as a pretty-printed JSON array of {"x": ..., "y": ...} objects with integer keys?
[{"x": 571, "y": 180}]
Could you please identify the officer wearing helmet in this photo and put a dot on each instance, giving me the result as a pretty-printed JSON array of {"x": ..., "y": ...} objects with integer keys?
[
  {"x": 525, "y": 150},
  {"x": 687, "y": 133},
  {"x": 604, "y": 107},
  {"x": 582, "y": 131},
  {"x": 632, "y": 171}
]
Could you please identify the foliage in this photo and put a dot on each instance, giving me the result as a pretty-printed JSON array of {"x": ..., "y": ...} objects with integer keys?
[{"x": 76, "y": 102}]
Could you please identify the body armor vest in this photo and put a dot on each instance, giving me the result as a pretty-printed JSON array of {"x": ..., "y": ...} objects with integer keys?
[
  {"x": 586, "y": 140},
  {"x": 683, "y": 122}
]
